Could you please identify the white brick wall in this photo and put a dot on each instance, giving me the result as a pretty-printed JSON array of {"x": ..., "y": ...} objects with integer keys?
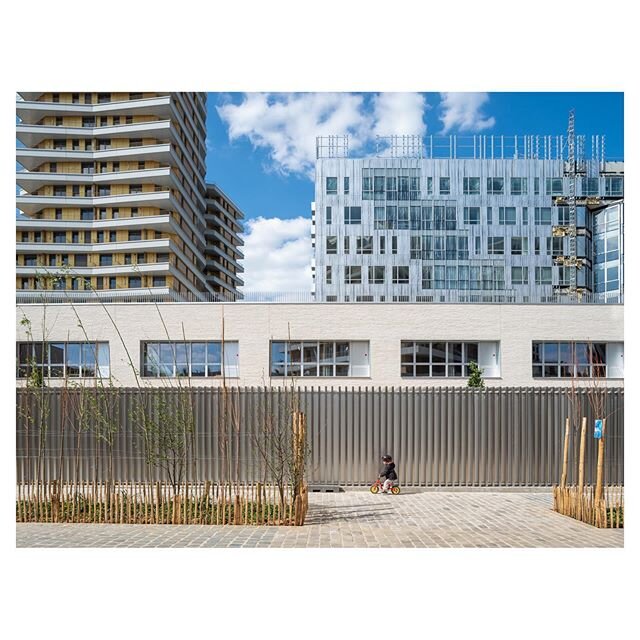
[{"x": 253, "y": 325}]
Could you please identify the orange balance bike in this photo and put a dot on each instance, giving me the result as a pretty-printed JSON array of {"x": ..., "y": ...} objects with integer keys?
[{"x": 376, "y": 487}]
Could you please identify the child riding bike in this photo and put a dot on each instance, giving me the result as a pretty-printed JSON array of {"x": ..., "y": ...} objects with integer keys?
[{"x": 390, "y": 476}]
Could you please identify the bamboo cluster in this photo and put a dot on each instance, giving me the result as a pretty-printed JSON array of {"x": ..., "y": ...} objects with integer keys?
[
  {"x": 605, "y": 512},
  {"x": 597, "y": 505},
  {"x": 161, "y": 503}
]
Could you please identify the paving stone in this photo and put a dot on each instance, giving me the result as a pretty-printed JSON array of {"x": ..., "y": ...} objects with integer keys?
[{"x": 357, "y": 518}]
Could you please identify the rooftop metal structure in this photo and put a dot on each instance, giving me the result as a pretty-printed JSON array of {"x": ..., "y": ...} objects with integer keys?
[{"x": 474, "y": 147}]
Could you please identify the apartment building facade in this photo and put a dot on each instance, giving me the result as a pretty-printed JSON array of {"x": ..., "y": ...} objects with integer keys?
[
  {"x": 485, "y": 220},
  {"x": 114, "y": 200}
]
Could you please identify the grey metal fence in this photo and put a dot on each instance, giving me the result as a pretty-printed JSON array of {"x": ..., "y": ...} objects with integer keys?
[{"x": 496, "y": 437}]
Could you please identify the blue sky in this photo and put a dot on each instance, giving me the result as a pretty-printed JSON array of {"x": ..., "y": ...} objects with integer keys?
[{"x": 261, "y": 186}]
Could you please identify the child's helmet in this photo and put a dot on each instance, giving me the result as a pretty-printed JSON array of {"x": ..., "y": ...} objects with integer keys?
[{"x": 386, "y": 458}]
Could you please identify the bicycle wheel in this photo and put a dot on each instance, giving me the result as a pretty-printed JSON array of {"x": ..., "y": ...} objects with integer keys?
[
  {"x": 395, "y": 490},
  {"x": 374, "y": 488}
]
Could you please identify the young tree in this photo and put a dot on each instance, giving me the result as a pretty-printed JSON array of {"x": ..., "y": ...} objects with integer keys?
[{"x": 475, "y": 376}]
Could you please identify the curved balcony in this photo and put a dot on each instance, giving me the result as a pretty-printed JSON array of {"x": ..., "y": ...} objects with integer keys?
[
  {"x": 30, "y": 204},
  {"x": 160, "y": 223},
  {"x": 31, "y": 181},
  {"x": 227, "y": 243},
  {"x": 224, "y": 254},
  {"x": 32, "y": 112},
  {"x": 128, "y": 246},
  {"x": 162, "y": 268},
  {"x": 33, "y": 134},
  {"x": 32, "y": 158},
  {"x": 214, "y": 265}
]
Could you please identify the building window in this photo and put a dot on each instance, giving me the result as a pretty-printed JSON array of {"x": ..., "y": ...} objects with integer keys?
[
  {"x": 346, "y": 245},
  {"x": 525, "y": 215},
  {"x": 189, "y": 359},
  {"x": 437, "y": 359},
  {"x": 346, "y": 185},
  {"x": 379, "y": 218},
  {"x": 53, "y": 167},
  {"x": 331, "y": 186},
  {"x": 400, "y": 275},
  {"x": 135, "y": 188},
  {"x": 135, "y": 282},
  {"x": 88, "y": 121},
  {"x": 429, "y": 186},
  {"x": 364, "y": 244},
  {"x": 104, "y": 97},
  {"x": 519, "y": 246},
  {"x": 569, "y": 359},
  {"x": 112, "y": 236},
  {"x": 495, "y": 245},
  {"x": 141, "y": 258},
  {"x": 328, "y": 274},
  {"x": 444, "y": 186},
  {"x": 328, "y": 215},
  {"x": 394, "y": 245},
  {"x": 553, "y": 186},
  {"x": 518, "y": 186},
  {"x": 542, "y": 215},
  {"x": 472, "y": 215},
  {"x": 60, "y": 236},
  {"x": 519, "y": 275},
  {"x": 376, "y": 275},
  {"x": 506, "y": 215},
  {"x": 63, "y": 359},
  {"x": 135, "y": 236},
  {"x": 489, "y": 215},
  {"x": 310, "y": 359},
  {"x": 471, "y": 186},
  {"x": 75, "y": 98},
  {"x": 382, "y": 244},
  {"x": 495, "y": 186},
  {"x": 590, "y": 186},
  {"x": 543, "y": 275},
  {"x": 135, "y": 142},
  {"x": 106, "y": 260},
  {"x": 81, "y": 260},
  {"x": 332, "y": 245},
  {"x": 613, "y": 186},
  {"x": 352, "y": 275},
  {"x": 112, "y": 282},
  {"x": 159, "y": 281},
  {"x": 352, "y": 215}
]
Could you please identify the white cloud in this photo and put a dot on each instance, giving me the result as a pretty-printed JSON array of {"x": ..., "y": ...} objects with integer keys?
[
  {"x": 464, "y": 112},
  {"x": 277, "y": 255},
  {"x": 399, "y": 114},
  {"x": 286, "y": 125}
]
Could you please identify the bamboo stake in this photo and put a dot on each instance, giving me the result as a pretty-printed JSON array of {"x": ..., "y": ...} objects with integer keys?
[
  {"x": 600, "y": 467},
  {"x": 583, "y": 433},
  {"x": 565, "y": 458},
  {"x": 157, "y": 502}
]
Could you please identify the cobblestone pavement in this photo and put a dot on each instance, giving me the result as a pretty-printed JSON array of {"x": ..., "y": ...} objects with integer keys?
[{"x": 356, "y": 518}]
